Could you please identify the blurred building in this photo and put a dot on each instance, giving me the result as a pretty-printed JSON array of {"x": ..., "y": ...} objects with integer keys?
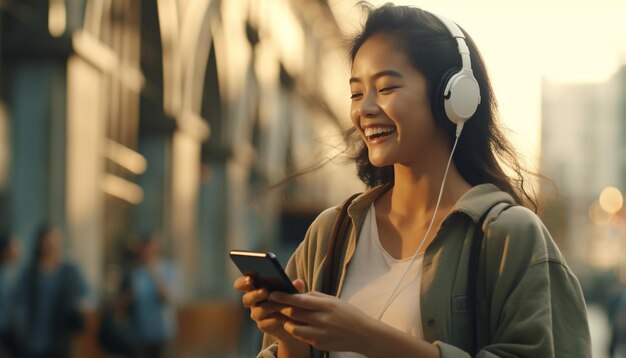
[
  {"x": 583, "y": 152},
  {"x": 127, "y": 116}
]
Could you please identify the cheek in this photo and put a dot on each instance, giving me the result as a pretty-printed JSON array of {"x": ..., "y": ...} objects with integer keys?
[
  {"x": 410, "y": 114},
  {"x": 354, "y": 117}
]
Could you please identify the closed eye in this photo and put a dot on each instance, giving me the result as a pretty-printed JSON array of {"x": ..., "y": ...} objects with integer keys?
[
  {"x": 356, "y": 95},
  {"x": 388, "y": 89}
]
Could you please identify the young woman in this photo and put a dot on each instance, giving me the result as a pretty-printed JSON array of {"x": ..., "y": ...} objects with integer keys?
[{"x": 425, "y": 116}]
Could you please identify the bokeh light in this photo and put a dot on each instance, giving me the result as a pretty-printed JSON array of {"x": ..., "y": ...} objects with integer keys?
[
  {"x": 611, "y": 200},
  {"x": 598, "y": 215}
]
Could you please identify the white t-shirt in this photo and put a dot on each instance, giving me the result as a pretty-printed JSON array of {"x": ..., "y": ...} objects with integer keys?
[{"x": 371, "y": 277}]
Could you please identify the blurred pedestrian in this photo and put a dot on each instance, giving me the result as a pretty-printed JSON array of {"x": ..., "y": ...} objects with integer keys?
[
  {"x": 149, "y": 288},
  {"x": 617, "y": 320},
  {"x": 9, "y": 252},
  {"x": 116, "y": 334},
  {"x": 49, "y": 297}
]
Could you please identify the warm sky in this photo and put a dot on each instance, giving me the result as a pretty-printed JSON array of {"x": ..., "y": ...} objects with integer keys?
[{"x": 563, "y": 41}]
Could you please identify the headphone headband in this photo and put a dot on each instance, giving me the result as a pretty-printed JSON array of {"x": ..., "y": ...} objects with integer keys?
[{"x": 456, "y": 32}]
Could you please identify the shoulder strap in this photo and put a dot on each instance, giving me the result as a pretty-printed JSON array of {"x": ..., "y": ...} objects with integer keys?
[
  {"x": 472, "y": 276},
  {"x": 336, "y": 246}
]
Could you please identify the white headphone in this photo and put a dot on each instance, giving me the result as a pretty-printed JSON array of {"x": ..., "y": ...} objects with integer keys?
[{"x": 461, "y": 93}]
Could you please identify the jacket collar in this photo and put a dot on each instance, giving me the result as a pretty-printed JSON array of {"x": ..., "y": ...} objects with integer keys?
[{"x": 474, "y": 203}]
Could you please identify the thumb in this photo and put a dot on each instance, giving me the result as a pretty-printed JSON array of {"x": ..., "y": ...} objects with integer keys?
[{"x": 299, "y": 285}]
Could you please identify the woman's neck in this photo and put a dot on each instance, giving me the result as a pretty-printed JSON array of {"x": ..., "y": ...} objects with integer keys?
[{"x": 416, "y": 191}]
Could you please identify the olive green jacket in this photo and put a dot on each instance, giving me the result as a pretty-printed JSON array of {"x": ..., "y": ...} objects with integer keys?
[{"x": 530, "y": 303}]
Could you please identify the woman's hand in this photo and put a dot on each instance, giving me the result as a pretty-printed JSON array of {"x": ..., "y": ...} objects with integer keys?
[
  {"x": 264, "y": 312},
  {"x": 323, "y": 321}
]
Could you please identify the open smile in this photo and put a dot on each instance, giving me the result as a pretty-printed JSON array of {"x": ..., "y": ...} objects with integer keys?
[{"x": 377, "y": 133}]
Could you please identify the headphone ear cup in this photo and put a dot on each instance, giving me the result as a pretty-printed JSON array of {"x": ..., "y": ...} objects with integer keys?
[{"x": 438, "y": 103}]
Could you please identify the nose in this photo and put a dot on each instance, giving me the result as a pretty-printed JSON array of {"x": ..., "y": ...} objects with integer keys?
[{"x": 368, "y": 106}]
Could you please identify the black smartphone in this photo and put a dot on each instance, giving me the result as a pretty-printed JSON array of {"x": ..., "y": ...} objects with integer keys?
[{"x": 264, "y": 269}]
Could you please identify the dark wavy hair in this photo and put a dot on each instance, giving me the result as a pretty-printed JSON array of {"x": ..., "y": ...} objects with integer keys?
[{"x": 432, "y": 51}]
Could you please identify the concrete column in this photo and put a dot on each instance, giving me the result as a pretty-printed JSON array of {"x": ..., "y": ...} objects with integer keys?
[
  {"x": 184, "y": 210},
  {"x": 85, "y": 167}
]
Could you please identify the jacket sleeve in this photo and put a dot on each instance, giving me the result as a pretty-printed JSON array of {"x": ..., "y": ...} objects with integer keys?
[
  {"x": 533, "y": 302},
  {"x": 304, "y": 264}
]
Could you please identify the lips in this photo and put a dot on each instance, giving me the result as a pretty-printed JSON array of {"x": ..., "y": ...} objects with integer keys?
[{"x": 376, "y": 132}]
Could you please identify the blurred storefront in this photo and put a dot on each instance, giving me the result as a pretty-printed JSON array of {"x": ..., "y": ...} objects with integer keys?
[{"x": 126, "y": 116}]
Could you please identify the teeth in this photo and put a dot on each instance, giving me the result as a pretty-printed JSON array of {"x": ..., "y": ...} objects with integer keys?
[{"x": 370, "y": 131}]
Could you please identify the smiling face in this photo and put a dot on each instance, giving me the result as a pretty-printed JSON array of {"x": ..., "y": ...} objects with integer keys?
[{"x": 390, "y": 105}]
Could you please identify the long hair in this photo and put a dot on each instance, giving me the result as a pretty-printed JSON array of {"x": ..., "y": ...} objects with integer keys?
[{"x": 432, "y": 51}]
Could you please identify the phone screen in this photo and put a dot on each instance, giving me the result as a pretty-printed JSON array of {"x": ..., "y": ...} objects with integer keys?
[{"x": 264, "y": 269}]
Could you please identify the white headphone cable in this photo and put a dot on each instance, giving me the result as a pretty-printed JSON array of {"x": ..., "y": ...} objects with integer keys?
[{"x": 432, "y": 221}]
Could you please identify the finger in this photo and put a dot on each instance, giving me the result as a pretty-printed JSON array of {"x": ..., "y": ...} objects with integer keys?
[
  {"x": 243, "y": 283},
  {"x": 252, "y": 298},
  {"x": 259, "y": 313},
  {"x": 257, "y": 296},
  {"x": 302, "y": 332},
  {"x": 299, "y": 315},
  {"x": 270, "y": 306},
  {"x": 299, "y": 285},
  {"x": 265, "y": 310},
  {"x": 270, "y": 322},
  {"x": 318, "y": 294},
  {"x": 306, "y": 301}
]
